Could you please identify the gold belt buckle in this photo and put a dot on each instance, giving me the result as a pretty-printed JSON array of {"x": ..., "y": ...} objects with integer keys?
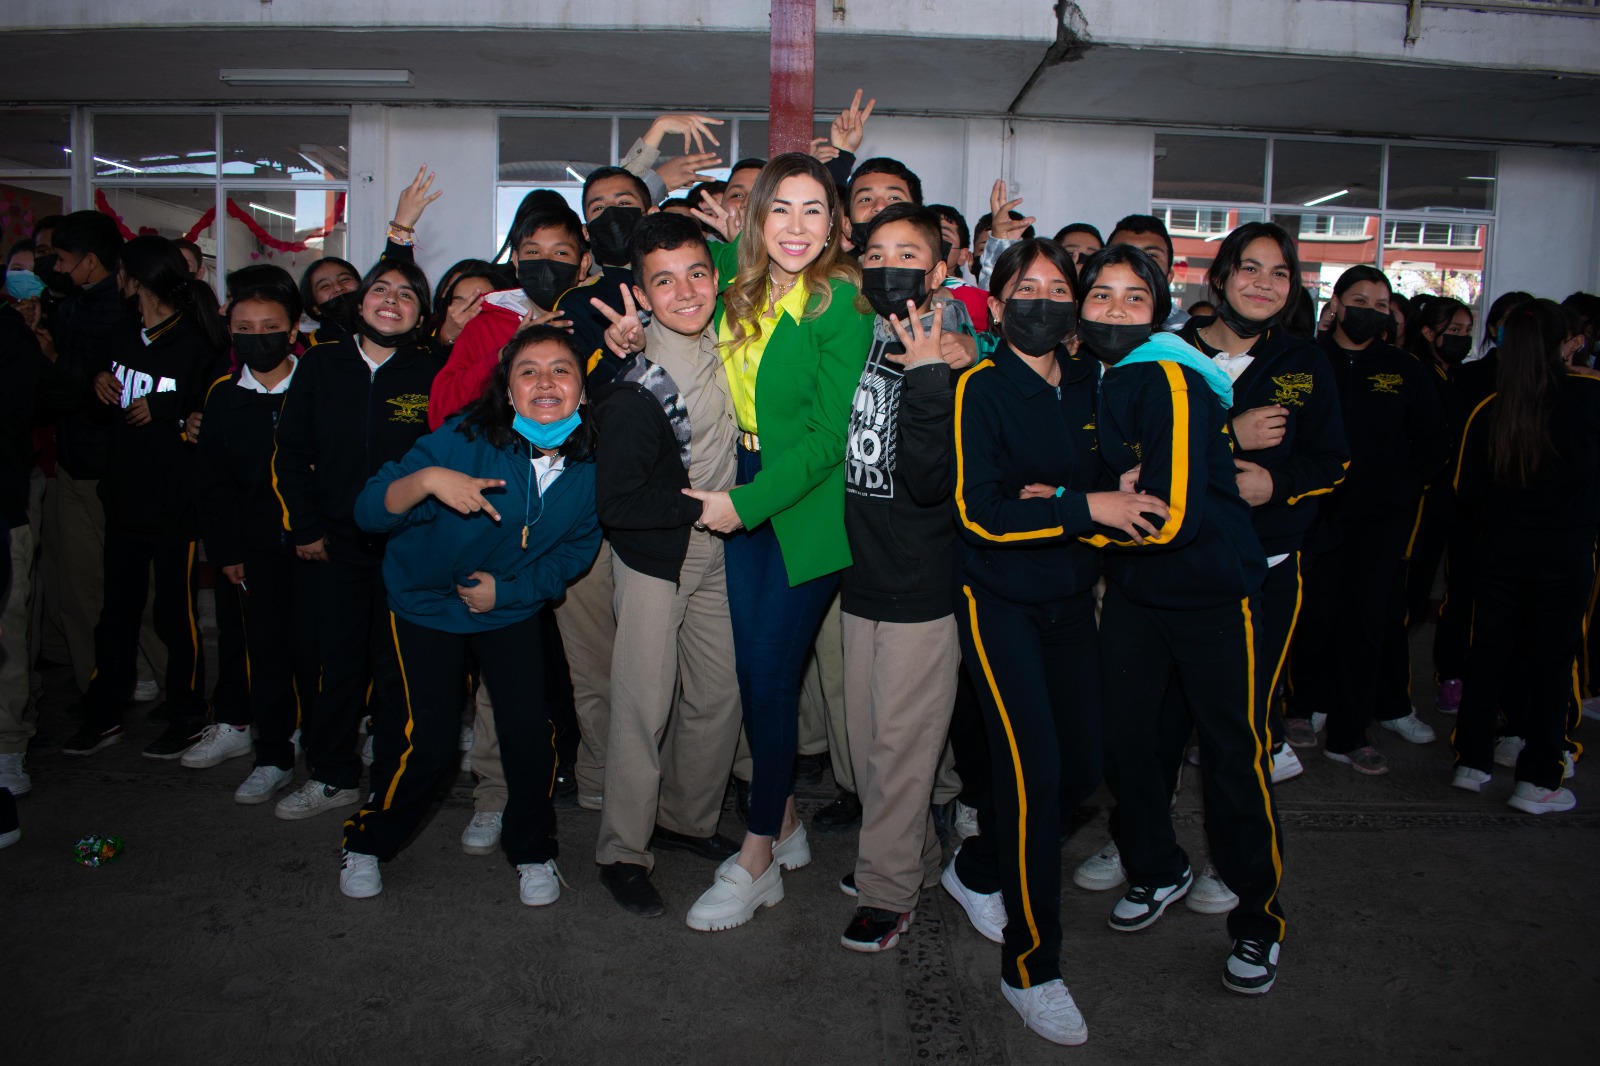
[{"x": 751, "y": 442}]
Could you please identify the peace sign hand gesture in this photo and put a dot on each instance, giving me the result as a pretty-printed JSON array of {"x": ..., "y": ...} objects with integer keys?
[
  {"x": 1004, "y": 226},
  {"x": 921, "y": 345},
  {"x": 625, "y": 335},
  {"x": 414, "y": 198},
  {"x": 728, "y": 223},
  {"x": 851, "y": 125},
  {"x": 462, "y": 492}
]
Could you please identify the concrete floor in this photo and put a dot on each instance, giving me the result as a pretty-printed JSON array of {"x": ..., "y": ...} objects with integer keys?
[{"x": 1426, "y": 926}]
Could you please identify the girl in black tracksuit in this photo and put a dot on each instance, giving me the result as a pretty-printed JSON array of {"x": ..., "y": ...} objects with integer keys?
[
  {"x": 241, "y": 519},
  {"x": 1529, "y": 477},
  {"x": 343, "y": 419},
  {"x": 1180, "y": 608},
  {"x": 157, "y": 379}
]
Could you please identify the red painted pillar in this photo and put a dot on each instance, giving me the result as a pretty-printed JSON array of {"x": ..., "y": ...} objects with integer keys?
[{"x": 794, "y": 31}]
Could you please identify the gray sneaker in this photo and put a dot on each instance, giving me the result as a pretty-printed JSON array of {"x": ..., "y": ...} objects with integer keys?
[{"x": 312, "y": 798}]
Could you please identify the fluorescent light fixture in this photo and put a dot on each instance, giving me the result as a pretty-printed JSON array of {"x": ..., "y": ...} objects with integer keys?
[
  {"x": 319, "y": 77},
  {"x": 1325, "y": 199},
  {"x": 114, "y": 163},
  {"x": 272, "y": 211},
  {"x": 1478, "y": 177},
  {"x": 575, "y": 175}
]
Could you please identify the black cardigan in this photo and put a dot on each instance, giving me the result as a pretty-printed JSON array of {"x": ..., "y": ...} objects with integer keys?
[{"x": 639, "y": 482}]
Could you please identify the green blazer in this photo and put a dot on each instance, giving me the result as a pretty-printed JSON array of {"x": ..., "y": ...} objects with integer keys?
[{"x": 804, "y": 389}]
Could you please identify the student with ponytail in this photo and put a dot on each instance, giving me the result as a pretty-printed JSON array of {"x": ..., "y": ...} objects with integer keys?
[
  {"x": 157, "y": 379},
  {"x": 1529, "y": 478}
]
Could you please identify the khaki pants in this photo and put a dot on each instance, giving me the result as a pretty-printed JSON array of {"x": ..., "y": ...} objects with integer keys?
[
  {"x": 822, "y": 727},
  {"x": 667, "y": 764},
  {"x": 900, "y": 689},
  {"x": 588, "y": 631},
  {"x": 18, "y": 717},
  {"x": 490, "y": 792},
  {"x": 72, "y": 573}
]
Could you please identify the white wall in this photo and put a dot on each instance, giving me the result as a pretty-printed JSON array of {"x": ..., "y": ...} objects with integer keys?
[
  {"x": 1068, "y": 172},
  {"x": 1547, "y": 240}
]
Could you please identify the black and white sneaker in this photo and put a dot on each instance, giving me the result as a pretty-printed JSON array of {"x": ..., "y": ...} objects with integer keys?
[
  {"x": 91, "y": 737},
  {"x": 1143, "y": 904},
  {"x": 875, "y": 930},
  {"x": 847, "y": 885},
  {"x": 1251, "y": 968},
  {"x": 174, "y": 740}
]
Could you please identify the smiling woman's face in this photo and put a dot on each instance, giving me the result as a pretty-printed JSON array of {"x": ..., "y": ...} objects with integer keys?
[
  {"x": 546, "y": 382},
  {"x": 391, "y": 306}
]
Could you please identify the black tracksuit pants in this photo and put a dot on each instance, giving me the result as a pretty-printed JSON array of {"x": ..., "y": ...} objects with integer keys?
[
  {"x": 416, "y": 751},
  {"x": 266, "y": 618},
  {"x": 1036, "y": 671},
  {"x": 1210, "y": 655},
  {"x": 230, "y": 696},
  {"x": 354, "y": 647},
  {"x": 1531, "y": 591},
  {"x": 129, "y": 564}
]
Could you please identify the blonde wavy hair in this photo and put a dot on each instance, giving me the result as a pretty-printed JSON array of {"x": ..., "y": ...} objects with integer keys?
[{"x": 744, "y": 296}]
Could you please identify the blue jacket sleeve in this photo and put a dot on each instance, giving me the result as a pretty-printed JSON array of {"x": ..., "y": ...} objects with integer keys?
[
  {"x": 568, "y": 558},
  {"x": 371, "y": 513}
]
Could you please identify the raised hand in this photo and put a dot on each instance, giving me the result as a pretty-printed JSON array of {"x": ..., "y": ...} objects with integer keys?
[
  {"x": 696, "y": 130},
  {"x": 920, "y": 344},
  {"x": 1003, "y": 225},
  {"x": 462, "y": 493},
  {"x": 625, "y": 334},
  {"x": 557, "y": 319},
  {"x": 823, "y": 151},
  {"x": 414, "y": 198},
  {"x": 851, "y": 125},
  {"x": 685, "y": 170},
  {"x": 457, "y": 317},
  {"x": 726, "y": 222}
]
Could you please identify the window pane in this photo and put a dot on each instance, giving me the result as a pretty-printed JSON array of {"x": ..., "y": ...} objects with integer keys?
[
  {"x": 304, "y": 147},
  {"x": 169, "y": 212},
  {"x": 1195, "y": 232},
  {"x": 35, "y": 140},
  {"x": 154, "y": 145},
  {"x": 1441, "y": 179},
  {"x": 1329, "y": 245},
  {"x": 1325, "y": 172},
  {"x": 1210, "y": 168},
  {"x": 287, "y": 216},
  {"x": 546, "y": 150},
  {"x": 23, "y": 201},
  {"x": 1438, "y": 257}
]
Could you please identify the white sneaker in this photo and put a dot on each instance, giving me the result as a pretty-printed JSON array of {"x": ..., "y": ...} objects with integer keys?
[
  {"x": 966, "y": 822},
  {"x": 261, "y": 784},
  {"x": 359, "y": 877},
  {"x": 794, "y": 850},
  {"x": 465, "y": 744},
  {"x": 1569, "y": 766},
  {"x": 540, "y": 883},
  {"x": 299, "y": 748},
  {"x": 14, "y": 774},
  {"x": 1591, "y": 707},
  {"x": 1101, "y": 871},
  {"x": 1286, "y": 764},
  {"x": 145, "y": 691},
  {"x": 482, "y": 834},
  {"x": 1532, "y": 799},
  {"x": 734, "y": 896},
  {"x": 591, "y": 801},
  {"x": 312, "y": 798},
  {"x": 1318, "y": 721},
  {"x": 1469, "y": 780},
  {"x": 1048, "y": 1010},
  {"x": 366, "y": 751},
  {"x": 1410, "y": 728},
  {"x": 218, "y": 743},
  {"x": 1208, "y": 895},
  {"x": 1506, "y": 750},
  {"x": 985, "y": 910},
  {"x": 1193, "y": 755}
]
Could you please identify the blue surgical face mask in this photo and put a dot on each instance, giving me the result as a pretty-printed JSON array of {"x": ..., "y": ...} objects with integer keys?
[
  {"x": 23, "y": 284},
  {"x": 546, "y": 434}
]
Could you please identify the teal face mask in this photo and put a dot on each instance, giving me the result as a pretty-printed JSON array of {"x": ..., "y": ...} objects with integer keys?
[
  {"x": 23, "y": 285},
  {"x": 546, "y": 434}
]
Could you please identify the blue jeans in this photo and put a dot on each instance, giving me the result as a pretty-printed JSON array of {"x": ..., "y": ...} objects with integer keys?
[{"x": 774, "y": 626}]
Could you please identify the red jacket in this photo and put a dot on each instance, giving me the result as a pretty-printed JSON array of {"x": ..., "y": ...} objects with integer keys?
[
  {"x": 976, "y": 302},
  {"x": 477, "y": 350}
]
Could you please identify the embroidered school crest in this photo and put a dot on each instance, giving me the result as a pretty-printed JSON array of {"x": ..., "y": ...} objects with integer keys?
[
  {"x": 411, "y": 408},
  {"x": 1387, "y": 384},
  {"x": 1292, "y": 389}
]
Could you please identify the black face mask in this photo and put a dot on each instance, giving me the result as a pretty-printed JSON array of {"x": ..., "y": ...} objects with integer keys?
[
  {"x": 1362, "y": 324},
  {"x": 261, "y": 352},
  {"x": 391, "y": 340},
  {"x": 1110, "y": 343},
  {"x": 609, "y": 233},
  {"x": 888, "y": 288},
  {"x": 339, "y": 310},
  {"x": 1242, "y": 326},
  {"x": 544, "y": 280},
  {"x": 45, "y": 267},
  {"x": 1037, "y": 327},
  {"x": 1453, "y": 347}
]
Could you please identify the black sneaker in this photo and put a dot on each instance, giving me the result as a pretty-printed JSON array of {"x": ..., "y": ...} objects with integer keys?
[
  {"x": 808, "y": 769},
  {"x": 629, "y": 884},
  {"x": 1143, "y": 904},
  {"x": 847, "y": 885},
  {"x": 566, "y": 780},
  {"x": 840, "y": 816},
  {"x": 875, "y": 930},
  {"x": 90, "y": 737},
  {"x": 176, "y": 739},
  {"x": 1251, "y": 968}
]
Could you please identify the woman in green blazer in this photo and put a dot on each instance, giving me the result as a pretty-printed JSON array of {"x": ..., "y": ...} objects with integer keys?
[{"x": 794, "y": 345}]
